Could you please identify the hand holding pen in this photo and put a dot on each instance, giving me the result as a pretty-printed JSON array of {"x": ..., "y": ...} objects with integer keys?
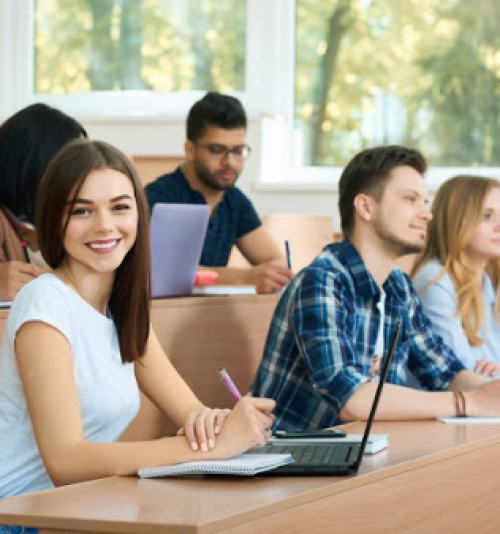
[{"x": 231, "y": 387}]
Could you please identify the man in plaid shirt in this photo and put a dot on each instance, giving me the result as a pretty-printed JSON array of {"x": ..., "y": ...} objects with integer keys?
[{"x": 335, "y": 319}]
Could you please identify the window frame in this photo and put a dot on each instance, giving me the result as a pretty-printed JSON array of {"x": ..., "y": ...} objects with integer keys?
[
  {"x": 155, "y": 126},
  {"x": 16, "y": 59}
]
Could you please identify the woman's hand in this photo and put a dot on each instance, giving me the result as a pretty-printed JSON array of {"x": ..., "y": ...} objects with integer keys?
[
  {"x": 201, "y": 428},
  {"x": 248, "y": 425},
  {"x": 487, "y": 368}
]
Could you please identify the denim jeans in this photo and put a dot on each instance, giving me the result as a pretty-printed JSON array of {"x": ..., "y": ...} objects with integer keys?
[{"x": 4, "y": 529}]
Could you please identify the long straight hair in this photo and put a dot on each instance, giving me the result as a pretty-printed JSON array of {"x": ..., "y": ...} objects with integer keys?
[
  {"x": 457, "y": 211},
  {"x": 129, "y": 303}
]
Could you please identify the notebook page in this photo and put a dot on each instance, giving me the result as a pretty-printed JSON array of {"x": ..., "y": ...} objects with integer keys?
[
  {"x": 243, "y": 465},
  {"x": 470, "y": 420}
]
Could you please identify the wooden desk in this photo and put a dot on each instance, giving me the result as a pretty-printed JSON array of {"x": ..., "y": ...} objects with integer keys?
[
  {"x": 198, "y": 334},
  {"x": 434, "y": 478}
]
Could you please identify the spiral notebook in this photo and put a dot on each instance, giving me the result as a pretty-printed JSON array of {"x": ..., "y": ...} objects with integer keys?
[{"x": 242, "y": 465}]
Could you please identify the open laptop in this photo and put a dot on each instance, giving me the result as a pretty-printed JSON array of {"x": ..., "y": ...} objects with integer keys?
[
  {"x": 177, "y": 233},
  {"x": 316, "y": 458}
]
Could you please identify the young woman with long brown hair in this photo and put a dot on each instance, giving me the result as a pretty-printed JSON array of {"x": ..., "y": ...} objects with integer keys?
[{"x": 78, "y": 345}]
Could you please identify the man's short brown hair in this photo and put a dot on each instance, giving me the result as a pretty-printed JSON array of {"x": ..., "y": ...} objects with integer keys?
[{"x": 368, "y": 173}]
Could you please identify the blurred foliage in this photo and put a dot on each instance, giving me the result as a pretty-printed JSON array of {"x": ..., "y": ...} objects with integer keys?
[
  {"x": 160, "y": 45},
  {"x": 423, "y": 73}
]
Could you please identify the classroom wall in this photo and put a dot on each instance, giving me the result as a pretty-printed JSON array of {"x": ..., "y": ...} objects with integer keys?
[{"x": 268, "y": 200}]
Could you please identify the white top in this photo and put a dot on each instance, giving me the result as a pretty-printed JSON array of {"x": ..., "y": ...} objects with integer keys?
[
  {"x": 107, "y": 389},
  {"x": 379, "y": 345},
  {"x": 440, "y": 304},
  {"x": 380, "y": 342}
]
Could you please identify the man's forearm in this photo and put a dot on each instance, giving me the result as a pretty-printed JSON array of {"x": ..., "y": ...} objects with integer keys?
[
  {"x": 466, "y": 381},
  {"x": 398, "y": 403}
]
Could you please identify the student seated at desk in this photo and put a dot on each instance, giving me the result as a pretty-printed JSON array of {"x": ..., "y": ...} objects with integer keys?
[
  {"x": 28, "y": 140},
  {"x": 335, "y": 319},
  {"x": 78, "y": 343},
  {"x": 457, "y": 274},
  {"x": 215, "y": 152}
]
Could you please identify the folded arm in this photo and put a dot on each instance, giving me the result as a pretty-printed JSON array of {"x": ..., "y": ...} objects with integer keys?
[{"x": 45, "y": 364}]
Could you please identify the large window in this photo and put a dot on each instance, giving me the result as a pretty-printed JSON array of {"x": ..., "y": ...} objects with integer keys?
[
  {"x": 320, "y": 79},
  {"x": 425, "y": 73},
  {"x": 123, "y": 45}
]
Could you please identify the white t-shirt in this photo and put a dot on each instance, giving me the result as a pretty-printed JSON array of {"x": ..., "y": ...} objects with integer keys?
[
  {"x": 379, "y": 344},
  {"x": 107, "y": 389}
]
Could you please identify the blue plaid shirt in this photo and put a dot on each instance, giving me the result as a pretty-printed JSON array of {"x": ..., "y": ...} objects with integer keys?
[
  {"x": 233, "y": 217},
  {"x": 321, "y": 342}
]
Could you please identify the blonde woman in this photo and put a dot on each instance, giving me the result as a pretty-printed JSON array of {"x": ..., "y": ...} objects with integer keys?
[{"x": 457, "y": 274}]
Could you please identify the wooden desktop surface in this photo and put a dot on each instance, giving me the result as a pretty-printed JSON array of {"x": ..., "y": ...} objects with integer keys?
[{"x": 434, "y": 478}]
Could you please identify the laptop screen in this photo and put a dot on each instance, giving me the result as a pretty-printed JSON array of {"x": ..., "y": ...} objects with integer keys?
[
  {"x": 177, "y": 233},
  {"x": 383, "y": 377}
]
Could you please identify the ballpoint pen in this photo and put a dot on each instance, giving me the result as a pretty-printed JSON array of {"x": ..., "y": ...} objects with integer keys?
[
  {"x": 24, "y": 246},
  {"x": 287, "y": 251},
  {"x": 230, "y": 386},
  {"x": 228, "y": 383}
]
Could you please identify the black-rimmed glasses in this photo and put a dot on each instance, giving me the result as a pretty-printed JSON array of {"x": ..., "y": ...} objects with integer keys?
[{"x": 222, "y": 151}]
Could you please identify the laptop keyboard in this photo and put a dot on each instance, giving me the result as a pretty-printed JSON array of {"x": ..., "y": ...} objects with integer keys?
[{"x": 331, "y": 454}]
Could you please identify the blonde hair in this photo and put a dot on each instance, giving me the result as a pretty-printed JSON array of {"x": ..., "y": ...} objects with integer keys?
[{"x": 457, "y": 212}]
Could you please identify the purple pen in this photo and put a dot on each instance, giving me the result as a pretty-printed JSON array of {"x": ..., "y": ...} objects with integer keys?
[{"x": 226, "y": 380}]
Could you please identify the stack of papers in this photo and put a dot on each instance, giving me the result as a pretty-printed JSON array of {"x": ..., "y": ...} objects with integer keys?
[
  {"x": 243, "y": 465},
  {"x": 470, "y": 420},
  {"x": 224, "y": 290}
]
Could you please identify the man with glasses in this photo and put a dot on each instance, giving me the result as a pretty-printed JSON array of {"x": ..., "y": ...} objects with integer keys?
[{"x": 215, "y": 151}]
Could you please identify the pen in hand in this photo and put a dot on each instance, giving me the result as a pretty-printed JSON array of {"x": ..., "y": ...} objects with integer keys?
[
  {"x": 228, "y": 383},
  {"x": 231, "y": 387}
]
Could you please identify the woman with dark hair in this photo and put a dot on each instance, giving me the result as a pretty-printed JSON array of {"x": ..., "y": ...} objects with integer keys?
[
  {"x": 28, "y": 140},
  {"x": 78, "y": 345}
]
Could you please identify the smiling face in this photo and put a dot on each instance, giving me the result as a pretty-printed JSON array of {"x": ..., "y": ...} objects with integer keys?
[
  {"x": 402, "y": 214},
  {"x": 102, "y": 223},
  {"x": 484, "y": 245},
  {"x": 214, "y": 170}
]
